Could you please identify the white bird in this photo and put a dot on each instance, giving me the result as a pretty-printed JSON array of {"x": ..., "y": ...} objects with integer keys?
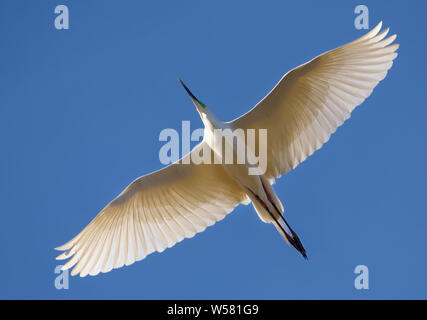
[{"x": 301, "y": 112}]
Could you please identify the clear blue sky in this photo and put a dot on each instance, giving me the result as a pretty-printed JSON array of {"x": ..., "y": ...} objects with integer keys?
[{"x": 81, "y": 111}]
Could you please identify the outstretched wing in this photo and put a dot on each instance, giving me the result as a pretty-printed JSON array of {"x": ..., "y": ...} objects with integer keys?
[
  {"x": 153, "y": 213},
  {"x": 311, "y": 101}
]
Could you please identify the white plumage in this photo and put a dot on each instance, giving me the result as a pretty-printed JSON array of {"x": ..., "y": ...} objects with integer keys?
[{"x": 301, "y": 112}]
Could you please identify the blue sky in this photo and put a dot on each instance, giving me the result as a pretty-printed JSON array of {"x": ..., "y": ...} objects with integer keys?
[{"x": 81, "y": 111}]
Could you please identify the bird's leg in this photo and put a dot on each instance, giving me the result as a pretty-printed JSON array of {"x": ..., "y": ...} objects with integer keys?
[
  {"x": 277, "y": 218},
  {"x": 292, "y": 238}
]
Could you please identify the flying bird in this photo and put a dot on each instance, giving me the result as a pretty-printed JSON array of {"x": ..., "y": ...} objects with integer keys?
[{"x": 300, "y": 113}]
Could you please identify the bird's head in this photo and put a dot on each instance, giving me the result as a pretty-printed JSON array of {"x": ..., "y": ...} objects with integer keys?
[{"x": 200, "y": 106}]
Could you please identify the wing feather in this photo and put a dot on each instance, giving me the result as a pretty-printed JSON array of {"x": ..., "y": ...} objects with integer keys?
[
  {"x": 152, "y": 214},
  {"x": 311, "y": 101}
]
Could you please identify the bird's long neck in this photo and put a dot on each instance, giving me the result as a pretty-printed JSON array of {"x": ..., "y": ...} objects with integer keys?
[{"x": 210, "y": 120}]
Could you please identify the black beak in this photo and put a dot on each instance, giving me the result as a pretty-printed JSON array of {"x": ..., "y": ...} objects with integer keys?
[{"x": 189, "y": 92}]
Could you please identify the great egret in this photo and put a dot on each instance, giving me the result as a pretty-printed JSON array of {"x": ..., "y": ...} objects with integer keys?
[{"x": 301, "y": 112}]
